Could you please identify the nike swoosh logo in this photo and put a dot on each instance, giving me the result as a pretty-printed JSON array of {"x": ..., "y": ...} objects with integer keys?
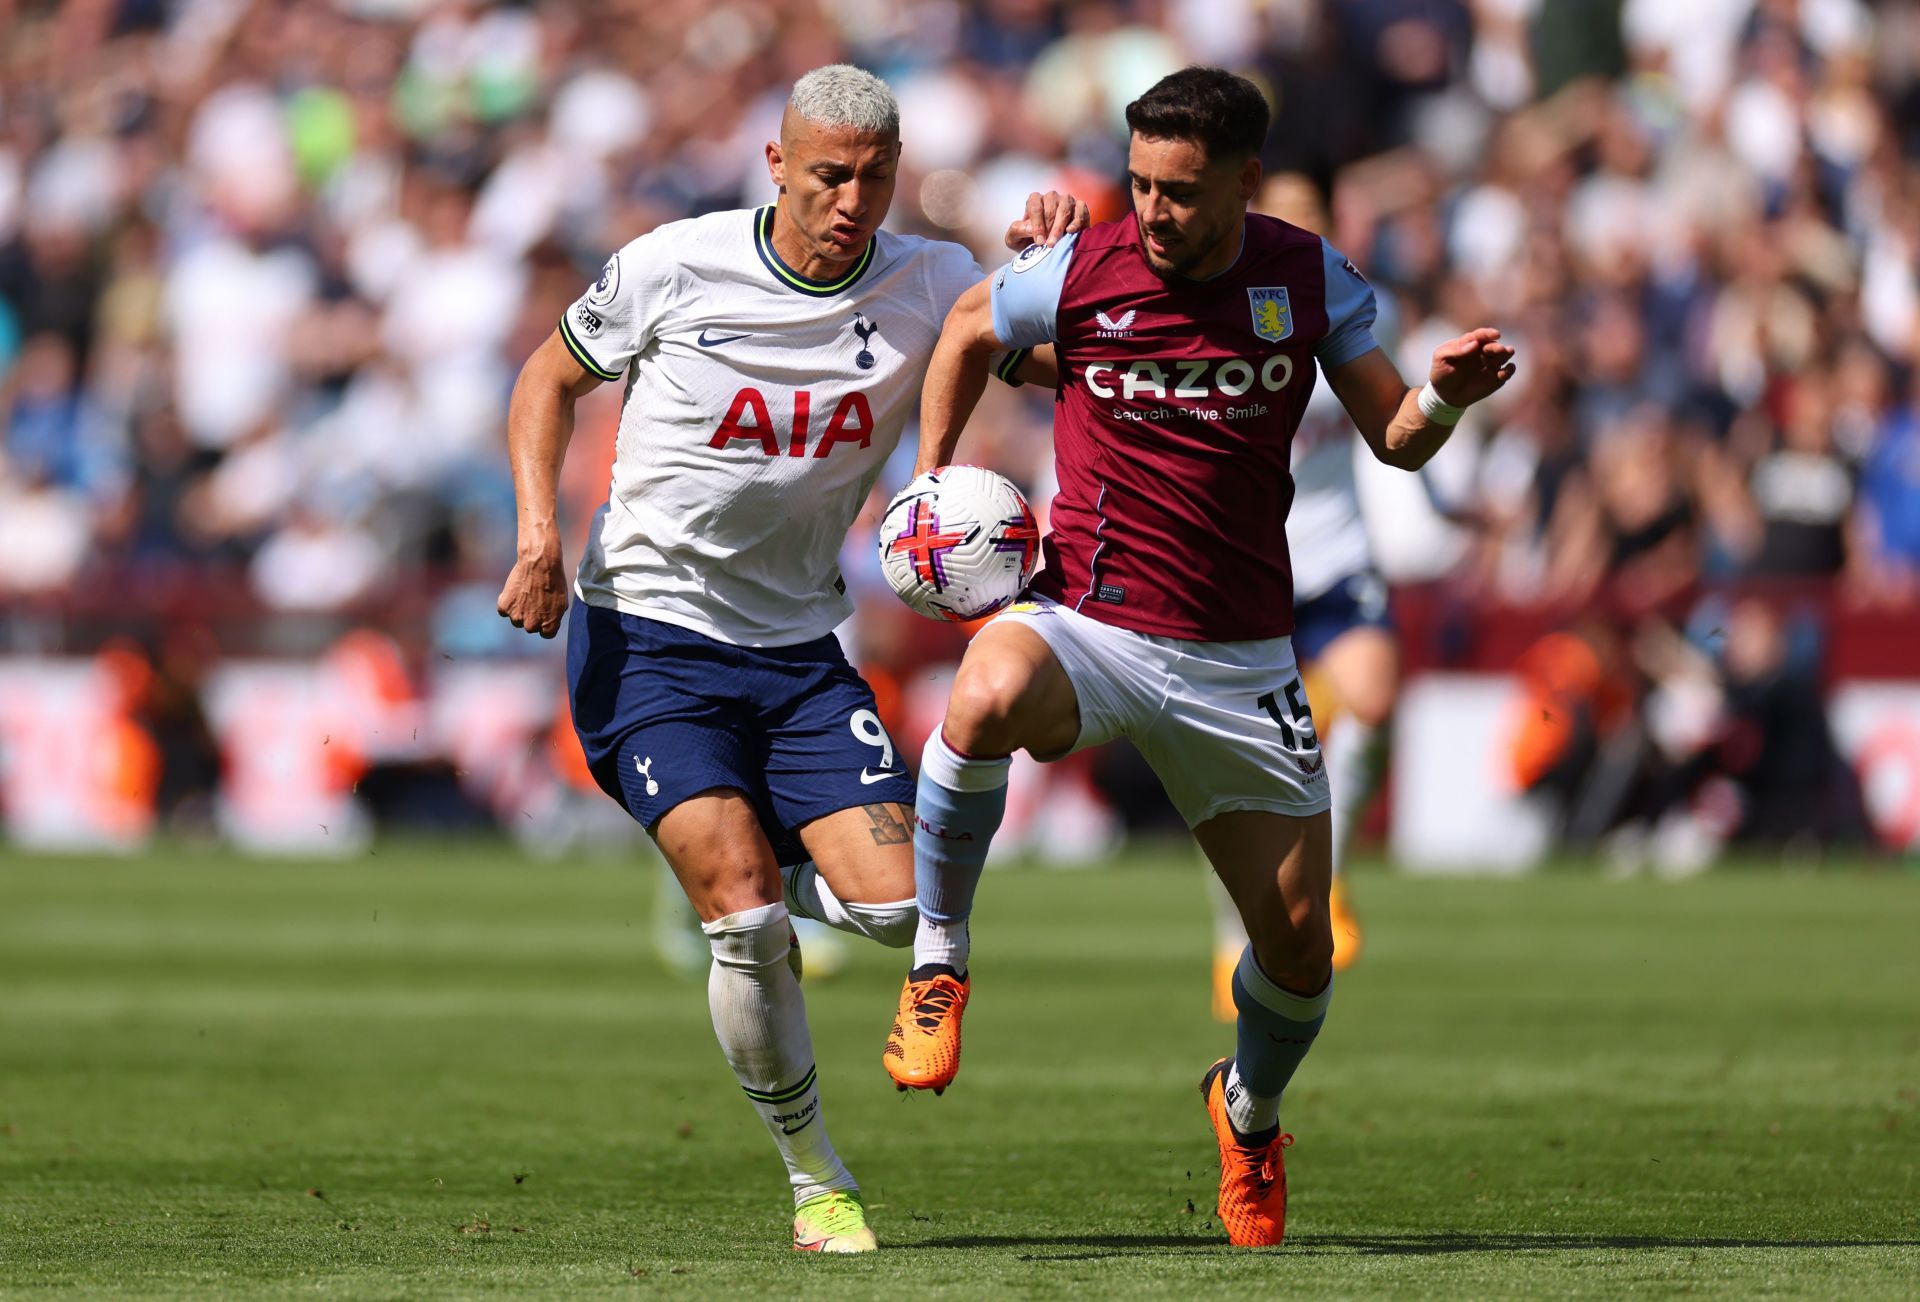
[
  {"x": 794, "y": 1130},
  {"x": 705, "y": 342},
  {"x": 868, "y": 779}
]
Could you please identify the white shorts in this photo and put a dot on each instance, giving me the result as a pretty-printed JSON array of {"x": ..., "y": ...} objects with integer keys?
[{"x": 1225, "y": 725}]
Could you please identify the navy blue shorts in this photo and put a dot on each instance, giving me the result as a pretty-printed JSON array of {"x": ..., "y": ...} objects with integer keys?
[
  {"x": 665, "y": 713},
  {"x": 1357, "y": 601}
]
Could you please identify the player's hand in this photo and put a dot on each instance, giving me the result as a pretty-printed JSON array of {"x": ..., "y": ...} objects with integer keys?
[
  {"x": 535, "y": 597},
  {"x": 1467, "y": 369},
  {"x": 1048, "y": 217}
]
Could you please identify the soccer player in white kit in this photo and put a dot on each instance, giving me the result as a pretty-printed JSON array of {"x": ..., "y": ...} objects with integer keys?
[{"x": 771, "y": 359}]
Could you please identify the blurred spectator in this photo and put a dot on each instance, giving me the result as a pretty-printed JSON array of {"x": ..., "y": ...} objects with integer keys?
[
  {"x": 1574, "y": 738},
  {"x": 1803, "y": 490},
  {"x": 1890, "y": 502},
  {"x": 1660, "y": 747},
  {"x": 173, "y": 715},
  {"x": 1776, "y": 746}
]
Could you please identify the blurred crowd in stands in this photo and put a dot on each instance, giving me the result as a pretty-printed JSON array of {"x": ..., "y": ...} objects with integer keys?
[{"x": 267, "y": 270}]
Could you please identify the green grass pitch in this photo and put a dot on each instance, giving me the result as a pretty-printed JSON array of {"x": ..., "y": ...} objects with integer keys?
[{"x": 446, "y": 1072}]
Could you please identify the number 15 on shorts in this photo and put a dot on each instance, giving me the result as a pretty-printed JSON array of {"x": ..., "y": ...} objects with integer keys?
[{"x": 1295, "y": 718}]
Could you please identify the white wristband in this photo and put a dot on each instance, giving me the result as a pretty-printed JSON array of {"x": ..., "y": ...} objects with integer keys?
[{"x": 1438, "y": 409}]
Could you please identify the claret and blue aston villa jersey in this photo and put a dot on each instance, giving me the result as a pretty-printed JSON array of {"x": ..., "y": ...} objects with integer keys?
[
  {"x": 759, "y": 408},
  {"x": 1177, "y": 404}
]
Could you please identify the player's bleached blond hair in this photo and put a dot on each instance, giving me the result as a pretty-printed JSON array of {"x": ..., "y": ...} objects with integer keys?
[{"x": 841, "y": 95}]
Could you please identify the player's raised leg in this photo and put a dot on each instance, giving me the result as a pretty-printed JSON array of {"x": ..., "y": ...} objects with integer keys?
[
  {"x": 717, "y": 849},
  {"x": 859, "y": 878},
  {"x": 1010, "y": 694},
  {"x": 1277, "y": 869}
]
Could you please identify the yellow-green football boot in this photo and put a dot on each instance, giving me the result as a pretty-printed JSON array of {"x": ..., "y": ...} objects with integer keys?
[{"x": 833, "y": 1222}]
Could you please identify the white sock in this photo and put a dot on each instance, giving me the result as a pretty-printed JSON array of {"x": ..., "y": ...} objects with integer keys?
[
  {"x": 761, "y": 1020},
  {"x": 1353, "y": 774},
  {"x": 940, "y": 942},
  {"x": 809, "y": 896},
  {"x": 1247, "y": 1112}
]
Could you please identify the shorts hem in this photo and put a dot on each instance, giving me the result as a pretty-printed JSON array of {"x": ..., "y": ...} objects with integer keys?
[
  {"x": 794, "y": 820},
  {"x": 601, "y": 597},
  {"x": 1259, "y": 804}
]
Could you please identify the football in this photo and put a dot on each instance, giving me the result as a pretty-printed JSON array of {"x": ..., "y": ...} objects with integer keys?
[{"x": 958, "y": 543}]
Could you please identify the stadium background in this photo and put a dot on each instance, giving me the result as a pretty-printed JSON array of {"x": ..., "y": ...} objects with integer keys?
[{"x": 267, "y": 272}]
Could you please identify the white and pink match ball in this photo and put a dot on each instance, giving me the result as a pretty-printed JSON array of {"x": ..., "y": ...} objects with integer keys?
[{"x": 959, "y": 543}]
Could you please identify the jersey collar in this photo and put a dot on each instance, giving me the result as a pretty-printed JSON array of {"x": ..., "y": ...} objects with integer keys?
[
  {"x": 1237, "y": 253},
  {"x": 763, "y": 244}
]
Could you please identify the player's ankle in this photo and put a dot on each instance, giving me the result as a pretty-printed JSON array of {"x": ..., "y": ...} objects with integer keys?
[{"x": 940, "y": 944}]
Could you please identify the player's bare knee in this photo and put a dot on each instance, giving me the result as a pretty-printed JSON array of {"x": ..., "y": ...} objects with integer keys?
[
  {"x": 983, "y": 712},
  {"x": 720, "y": 887}
]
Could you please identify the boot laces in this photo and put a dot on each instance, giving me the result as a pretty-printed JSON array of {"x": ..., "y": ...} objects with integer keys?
[{"x": 933, "y": 1000}]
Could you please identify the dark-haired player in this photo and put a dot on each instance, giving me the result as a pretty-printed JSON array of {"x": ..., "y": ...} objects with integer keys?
[{"x": 1187, "y": 340}]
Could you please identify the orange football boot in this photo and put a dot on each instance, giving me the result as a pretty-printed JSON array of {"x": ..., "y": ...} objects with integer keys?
[
  {"x": 1346, "y": 926},
  {"x": 923, "y": 1049},
  {"x": 1253, "y": 1181}
]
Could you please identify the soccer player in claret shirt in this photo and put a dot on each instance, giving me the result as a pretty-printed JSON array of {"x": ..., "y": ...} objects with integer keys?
[
  {"x": 771, "y": 359},
  {"x": 1186, "y": 342}
]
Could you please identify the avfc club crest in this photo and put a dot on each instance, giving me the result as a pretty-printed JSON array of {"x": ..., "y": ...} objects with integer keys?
[{"x": 1272, "y": 312}]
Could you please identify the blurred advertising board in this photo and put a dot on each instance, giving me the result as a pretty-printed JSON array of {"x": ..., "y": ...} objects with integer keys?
[{"x": 1877, "y": 725}]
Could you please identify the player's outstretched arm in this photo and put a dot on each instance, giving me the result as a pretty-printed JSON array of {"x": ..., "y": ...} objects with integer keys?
[
  {"x": 539, "y": 423},
  {"x": 1404, "y": 427},
  {"x": 955, "y": 377}
]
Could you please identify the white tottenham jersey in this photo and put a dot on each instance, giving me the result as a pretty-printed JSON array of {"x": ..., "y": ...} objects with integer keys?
[
  {"x": 759, "y": 408},
  {"x": 1326, "y": 536},
  {"x": 1326, "y": 533}
]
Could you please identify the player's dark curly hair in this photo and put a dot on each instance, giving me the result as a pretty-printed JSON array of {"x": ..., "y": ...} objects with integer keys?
[{"x": 1225, "y": 114}]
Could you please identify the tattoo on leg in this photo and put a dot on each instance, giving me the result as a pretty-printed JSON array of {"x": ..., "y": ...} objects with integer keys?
[{"x": 887, "y": 830}]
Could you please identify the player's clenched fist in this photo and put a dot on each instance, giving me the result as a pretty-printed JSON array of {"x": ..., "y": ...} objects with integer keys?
[
  {"x": 1467, "y": 369},
  {"x": 535, "y": 596}
]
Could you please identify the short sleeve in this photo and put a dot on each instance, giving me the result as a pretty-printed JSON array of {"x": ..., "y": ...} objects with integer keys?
[
  {"x": 1026, "y": 294},
  {"x": 953, "y": 275},
  {"x": 1350, "y": 311},
  {"x": 609, "y": 325}
]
